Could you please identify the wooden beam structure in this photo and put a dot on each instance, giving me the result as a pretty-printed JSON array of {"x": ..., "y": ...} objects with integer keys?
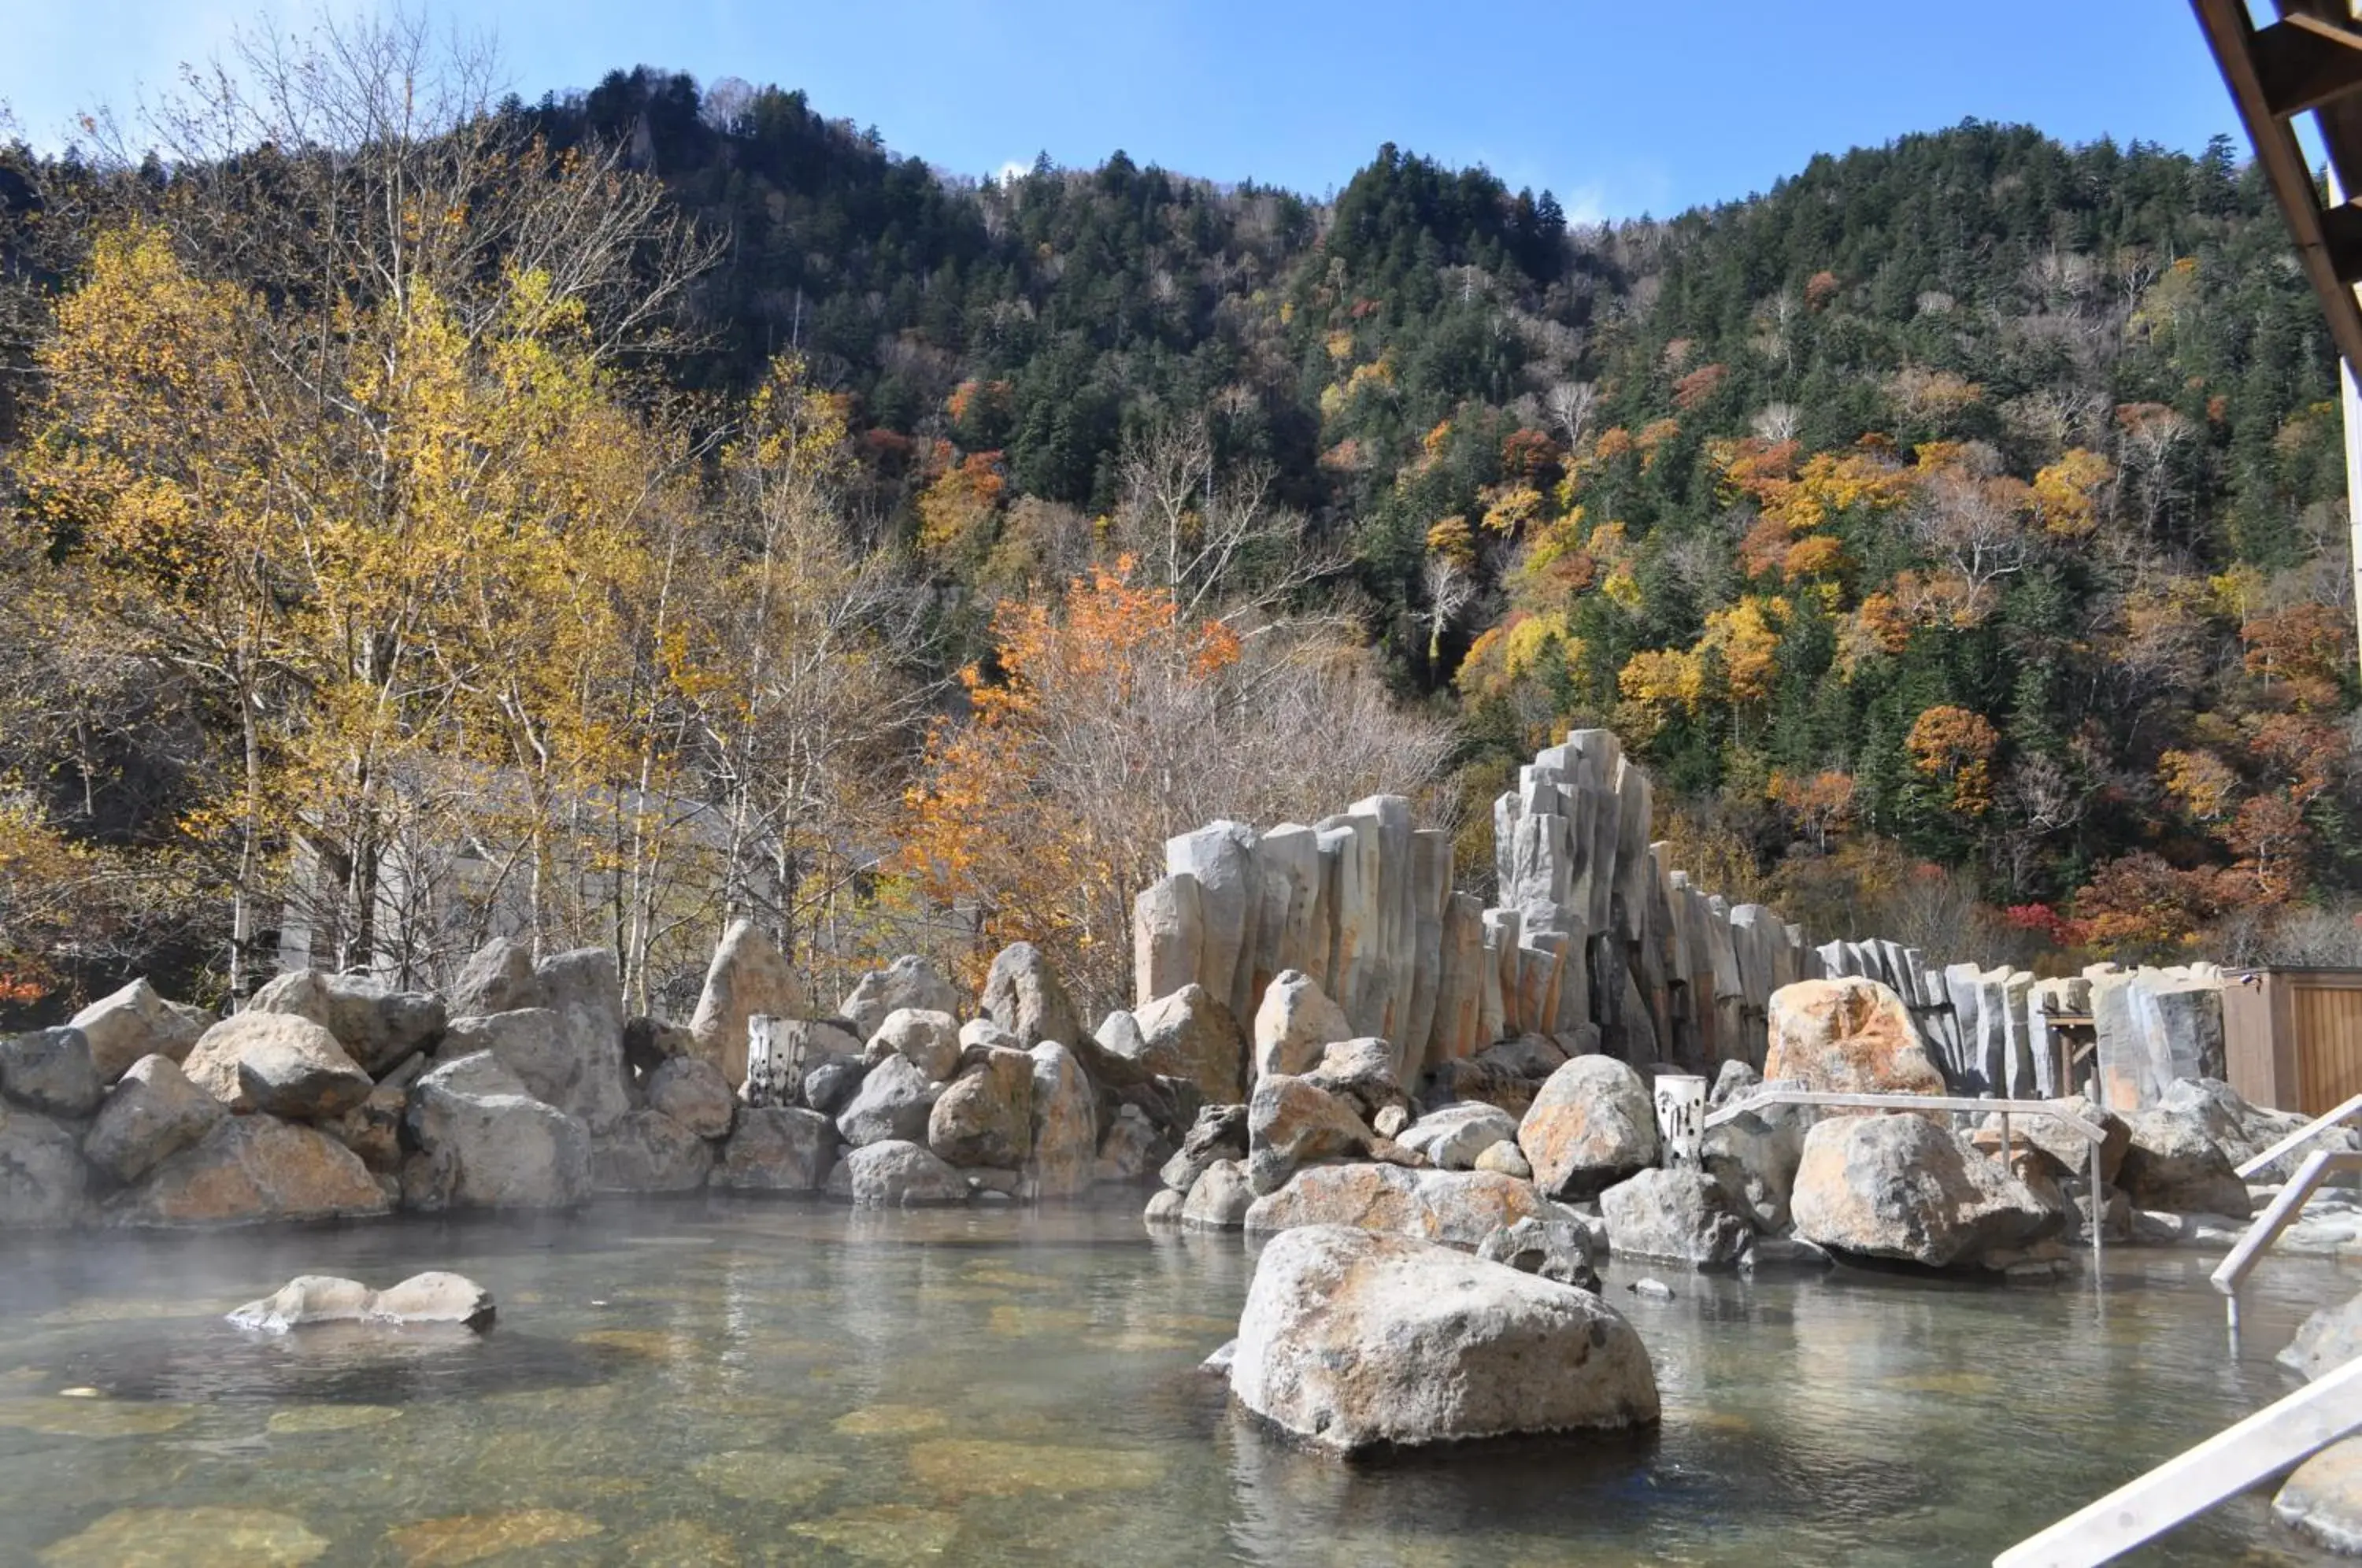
[{"x": 2310, "y": 61}]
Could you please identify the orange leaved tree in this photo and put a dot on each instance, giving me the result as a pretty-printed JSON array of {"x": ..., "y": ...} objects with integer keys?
[{"x": 1111, "y": 720}]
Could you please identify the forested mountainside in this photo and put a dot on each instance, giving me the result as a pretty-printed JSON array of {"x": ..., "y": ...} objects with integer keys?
[
  {"x": 1975, "y": 492},
  {"x": 1956, "y": 530}
]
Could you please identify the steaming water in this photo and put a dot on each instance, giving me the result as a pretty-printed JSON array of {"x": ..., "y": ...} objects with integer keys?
[{"x": 726, "y": 1381}]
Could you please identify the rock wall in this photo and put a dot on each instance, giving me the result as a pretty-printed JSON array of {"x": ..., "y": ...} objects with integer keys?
[{"x": 1597, "y": 939}]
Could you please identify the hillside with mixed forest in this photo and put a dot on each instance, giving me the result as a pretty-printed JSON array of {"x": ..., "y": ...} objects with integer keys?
[{"x": 1957, "y": 531}]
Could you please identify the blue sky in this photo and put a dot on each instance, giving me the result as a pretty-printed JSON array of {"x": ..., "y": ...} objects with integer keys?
[{"x": 1619, "y": 108}]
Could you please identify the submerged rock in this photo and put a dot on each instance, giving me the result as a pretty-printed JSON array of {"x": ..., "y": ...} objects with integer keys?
[
  {"x": 51, "y": 1071},
  {"x": 1459, "y": 1208},
  {"x": 154, "y": 1113},
  {"x": 431, "y": 1297},
  {"x": 2323, "y": 1500},
  {"x": 249, "y": 1169},
  {"x": 1352, "y": 1340},
  {"x": 1679, "y": 1216},
  {"x": 1897, "y": 1185},
  {"x": 136, "y": 1022},
  {"x": 1592, "y": 1125},
  {"x": 778, "y": 1149},
  {"x": 210, "y": 1535},
  {"x": 279, "y": 1064}
]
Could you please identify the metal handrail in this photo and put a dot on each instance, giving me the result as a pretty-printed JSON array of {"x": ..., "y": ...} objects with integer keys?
[
  {"x": 2305, "y": 1134},
  {"x": 2279, "y": 1435},
  {"x": 2318, "y": 1167}
]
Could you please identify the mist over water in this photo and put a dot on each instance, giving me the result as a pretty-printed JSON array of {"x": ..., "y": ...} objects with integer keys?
[{"x": 731, "y": 1381}]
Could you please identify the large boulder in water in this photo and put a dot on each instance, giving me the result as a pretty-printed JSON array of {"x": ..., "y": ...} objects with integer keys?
[
  {"x": 648, "y": 1152},
  {"x": 124, "y": 1026},
  {"x": 2244, "y": 1131},
  {"x": 747, "y": 979},
  {"x": 1897, "y": 1185},
  {"x": 1754, "y": 1156},
  {"x": 1592, "y": 1125},
  {"x": 1354, "y": 1342},
  {"x": 1023, "y": 995},
  {"x": 434, "y": 1298},
  {"x": 900, "y": 1175},
  {"x": 1850, "y": 1035},
  {"x": 778, "y": 1148},
  {"x": 1066, "y": 1135},
  {"x": 910, "y": 981},
  {"x": 1293, "y": 1123},
  {"x": 1680, "y": 1216},
  {"x": 530, "y": 1042},
  {"x": 250, "y": 1169},
  {"x": 485, "y": 1142},
  {"x": 2171, "y": 1164},
  {"x": 1194, "y": 1035},
  {"x": 51, "y": 1071},
  {"x": 1459, "y": 1208},
  {"x": 985, "y": 1117},
  {"x": 582, "y": 987},
  {"x": 278, "y": 1063},
  {"x": 1219, "y": 1199},
  {"x": 43, "y": 1182},
  {"x": 153, "y": 1112},
  {"x": 690, "y": 1090}
]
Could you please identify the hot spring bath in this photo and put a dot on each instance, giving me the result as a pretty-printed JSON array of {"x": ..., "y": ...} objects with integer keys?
[{"x": 717, "y": 1380}]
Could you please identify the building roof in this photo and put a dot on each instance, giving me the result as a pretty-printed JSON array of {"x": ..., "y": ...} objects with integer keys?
[{"x": 2308, "y": 62}]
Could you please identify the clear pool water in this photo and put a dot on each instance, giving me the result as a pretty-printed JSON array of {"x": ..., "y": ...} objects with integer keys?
[{"x": 723, "y": 1381}]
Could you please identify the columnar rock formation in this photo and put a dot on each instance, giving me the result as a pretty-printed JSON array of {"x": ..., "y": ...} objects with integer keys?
[{"x": 1596, "y": 941}]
